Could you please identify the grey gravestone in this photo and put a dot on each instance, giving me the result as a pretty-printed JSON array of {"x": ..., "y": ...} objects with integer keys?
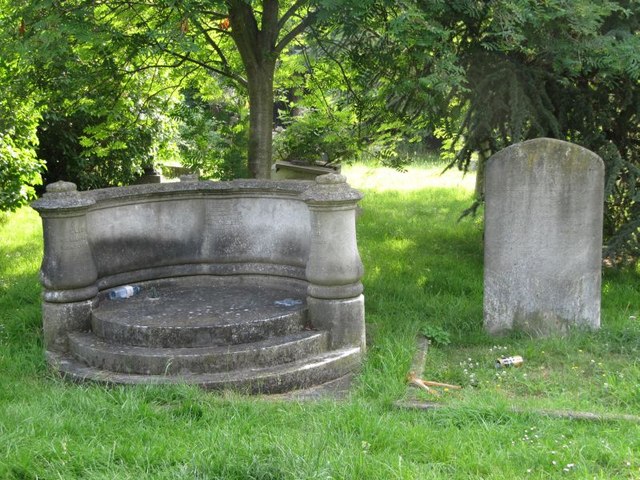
[{"x": 543, "y": 238}]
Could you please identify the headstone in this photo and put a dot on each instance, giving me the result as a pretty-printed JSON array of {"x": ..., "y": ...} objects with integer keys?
[{"x": 543, "y": 238}]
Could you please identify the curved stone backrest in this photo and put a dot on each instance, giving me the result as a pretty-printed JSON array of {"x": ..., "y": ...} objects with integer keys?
[
  {"x": 148, "y": 231},
  {"x": 225, "y": 228}
]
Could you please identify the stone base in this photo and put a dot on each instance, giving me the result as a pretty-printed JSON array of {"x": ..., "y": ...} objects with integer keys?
[
  {"x": 343, "y": 319},
  {"x": 59, "y": 319},
  {"x": 302, "y": 374},
  {"x": 220, "y": 333}
]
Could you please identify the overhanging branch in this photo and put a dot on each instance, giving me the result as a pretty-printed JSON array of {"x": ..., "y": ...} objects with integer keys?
[
  {"x": 290, "y": 13},
  {"x": 236, "y": 78},
  {"x": 295, "y": 31}
]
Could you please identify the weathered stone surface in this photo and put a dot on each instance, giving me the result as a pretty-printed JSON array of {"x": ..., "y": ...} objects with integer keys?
[
  {"x": 543, "y": 238},
  {"x": 189, "y": 177},
  {"x": 200, "y": 315},
  {"x": 67, "y": 263},
  {"x": 61, "y": 187},
  {"x": 59, "y": 319},
  {"x": 283, "y": 170},
  {"x": 334, "y": 268},
  {"x": 214, "y": 260},
  {"x": 305, "y": 373},
  {"x": 343, "y": 318},
  {"x": 211, "y": 359},
  {"x": 334, "y": 261}
]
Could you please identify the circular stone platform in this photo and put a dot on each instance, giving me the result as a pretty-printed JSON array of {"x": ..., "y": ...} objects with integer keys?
[{"x": 200, "y": 305}]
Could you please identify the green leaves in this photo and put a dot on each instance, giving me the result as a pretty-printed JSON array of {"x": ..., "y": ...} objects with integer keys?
[{"x": 19, "y": 172}]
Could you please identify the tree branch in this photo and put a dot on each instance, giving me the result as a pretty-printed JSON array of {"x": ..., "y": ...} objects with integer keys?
[
  {"x": 295, "y": 31},
  {"x": 290, "y": 13},
  {"x": 244, "y": 31},
  {"x": 270, "y": 22},
  {"x": 236, "y": 78},
  {"x": 212, "y": 42},
  {"x": 340, "y": 67}
]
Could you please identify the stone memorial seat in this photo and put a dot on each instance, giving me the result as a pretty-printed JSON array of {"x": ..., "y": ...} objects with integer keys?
[{"x": 248, "y": 285}]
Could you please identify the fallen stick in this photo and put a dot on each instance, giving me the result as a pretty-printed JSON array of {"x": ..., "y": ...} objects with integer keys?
[
  {"x": 425, "y": 384},
  {"x": 438, "y": 384},
  {"x": 418, "y": 383}
]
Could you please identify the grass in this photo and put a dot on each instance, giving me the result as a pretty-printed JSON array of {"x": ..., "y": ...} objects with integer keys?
[{"x": 423, "y": 272}]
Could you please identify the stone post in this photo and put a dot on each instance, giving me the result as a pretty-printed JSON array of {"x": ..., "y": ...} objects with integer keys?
[
  {"x": 334, "y": 269},
  {"x": 68, "y": 273}
]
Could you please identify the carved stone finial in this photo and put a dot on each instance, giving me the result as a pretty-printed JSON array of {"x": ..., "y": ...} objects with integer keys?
[
  {"x": 62, "y": 187},
  {"x": 331, "y": 189}
]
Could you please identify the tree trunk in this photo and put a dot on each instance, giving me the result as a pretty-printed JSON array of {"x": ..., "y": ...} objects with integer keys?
[
  {"x": 257, "y": 50},
  {"x": 483, "y": 156},
  {"x": 260, "y": 120}
]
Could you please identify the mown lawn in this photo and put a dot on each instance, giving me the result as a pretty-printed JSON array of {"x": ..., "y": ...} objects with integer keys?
[{"x": 423, "y": 273}]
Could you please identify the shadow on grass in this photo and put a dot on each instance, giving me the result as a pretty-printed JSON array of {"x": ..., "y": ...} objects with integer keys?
[{"x": 422, "y": 266}]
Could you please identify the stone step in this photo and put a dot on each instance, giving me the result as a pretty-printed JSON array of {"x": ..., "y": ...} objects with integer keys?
[
  {"x": 308, "y": 372},
  {"x": 200, "y": 316},
  {"x": 175, "y": 361}
]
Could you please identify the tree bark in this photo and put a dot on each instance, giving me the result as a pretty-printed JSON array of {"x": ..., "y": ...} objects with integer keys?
[
  {"x": 257, "y": 48},
  {"x": 483, "y": 156},
  {"x": 261, "y": 121}
]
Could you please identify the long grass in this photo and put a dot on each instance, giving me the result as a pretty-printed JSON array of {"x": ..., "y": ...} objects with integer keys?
[{"x": 423, "y": 273}]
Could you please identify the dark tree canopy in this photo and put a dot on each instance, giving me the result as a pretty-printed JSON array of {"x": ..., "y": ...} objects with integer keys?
[{"x": 484, "y": 75}]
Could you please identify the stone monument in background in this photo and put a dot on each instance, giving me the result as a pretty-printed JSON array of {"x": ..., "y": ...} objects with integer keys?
[{"x": 543, "y": 238}]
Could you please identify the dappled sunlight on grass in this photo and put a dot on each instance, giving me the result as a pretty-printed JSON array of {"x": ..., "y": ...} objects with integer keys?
[
  {"x": 411, "y": 279},
  {"x": 20, "y": 244},
  {"x": 416, "y": 177},
  {"x": 398, "y": 245}
]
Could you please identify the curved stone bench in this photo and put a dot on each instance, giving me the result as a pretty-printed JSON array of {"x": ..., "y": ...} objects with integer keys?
[{"x": 244, "y": 284}]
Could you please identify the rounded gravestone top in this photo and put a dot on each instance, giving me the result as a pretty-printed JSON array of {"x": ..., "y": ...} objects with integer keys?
[
  {"x": 61, "y": 187},
  {"x": 331, "y": 178}
]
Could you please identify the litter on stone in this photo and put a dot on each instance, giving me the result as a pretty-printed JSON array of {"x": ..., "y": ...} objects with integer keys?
[
  {"x": 125, "y": 291},
  {"x": 288, "y": 302}
]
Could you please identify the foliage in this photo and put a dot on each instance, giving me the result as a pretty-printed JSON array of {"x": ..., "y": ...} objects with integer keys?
[
  {"x": 398, "y": 66},
  {"x": 316, "y": 136},
  {"x": 567, "y": 71},
  {"x": 97, "y": 152},
  {"x": 240, "y": 41},
  {"x": 100, "y": 122},
  {"x": 484, "y": 75},
  {"x": 106, "y": 73},
  {"x": 19, "y": 167},
  {"x": 436, "y": 335},
  {"x": 213, "y": 135}
]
